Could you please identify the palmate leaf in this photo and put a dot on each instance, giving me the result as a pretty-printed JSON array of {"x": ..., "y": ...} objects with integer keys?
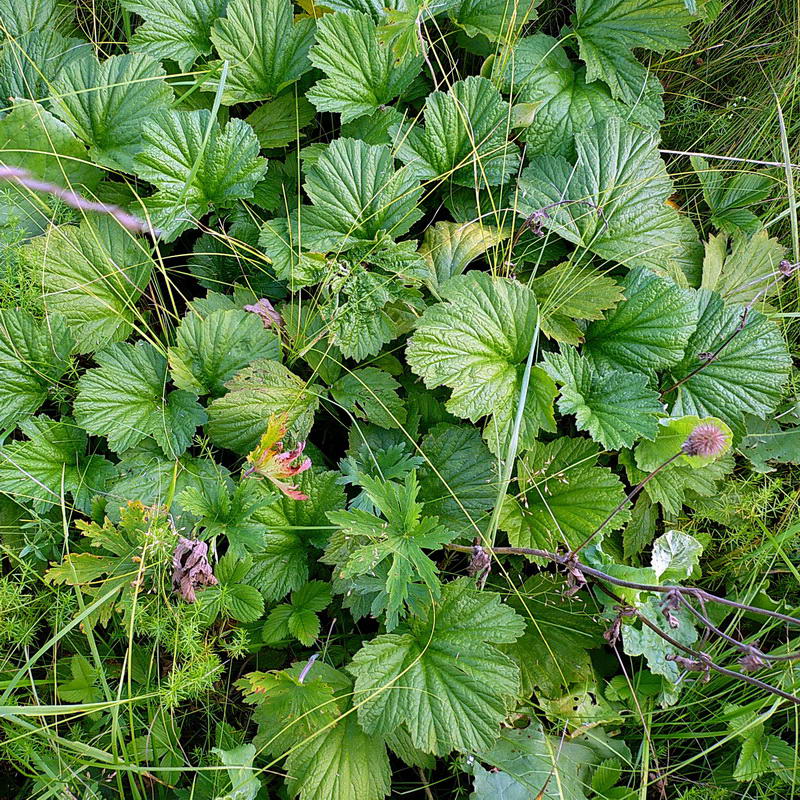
[
  {"x": 615, "y": 407},
  {"x": 497, "y": 20},
  {"x": 259, "y": 391},
  {"x": 608, "y": 31},
  {"x": 361, "y": 73},
  {"x": 371, "y": 394},
  {"x": 54, "y": 455},
  {"x": 565, "y": 496},
  {"x": 618, "y": 171},
  {"x": 197, "y": 165},
  {"x": 107, "y": 105},
  {"x": 33, "y": 358},
  {"x": 357, "y": 195},
  {"x": 33, "y": 15},
  {"x": 93, "y": 275},
  {"x": 125, "y": 400},
  {"x": 176, "y": 29},
  {"x": 265, "y": 48},
  {"x": 554, "y": 101},
  {"x": 747, "y": 377},
  {"x": 465, "y": 137},
  {"x": 476, "y": 343},
  {"x": 209, "y": 351},
  {"x": 441, "y": 675}
]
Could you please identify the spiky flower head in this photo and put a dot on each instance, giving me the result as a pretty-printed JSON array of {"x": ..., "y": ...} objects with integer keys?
[
  {"x": 270, "y": 461},
  {"x": 706, "y": 440}
]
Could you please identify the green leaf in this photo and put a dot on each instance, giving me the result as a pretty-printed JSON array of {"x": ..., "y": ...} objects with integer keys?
[
  {"x": 748, "y": 375},
  {"x": 675, "y": 556},
  {"x": 34, "y": 471},
  {"x": 672, "y": 433},
  {"x": 442, "y": 676},
  {"x": 767, "y": 442},
  {"x": 747, "y": 271},
  {"x": 33, "y": 15},
  {"x": 641, "y": 530},
  {"x": 244, "y": 602},
  {"x": 265, "y": 48},
  {"x": 125, "y": 400},
  {"x": 649, "y": 331},
  {"x": 33, "y": 358},
  {"x": 304, "y": 625},
  {"x": 569, "y": 291},
  {"x": 210, "y": 350},
  {"x": 107, "y": 105},
  {"x": 465, "y": 137},
  {"x": 280, "y": 121},
  {"x": 564, "y": 496},
  {"x": 238, "y": 761},
  {"x": 555, "y": 101},
  {"x": 458, "y": 477},
  {"x": 608, "y": 31},
  {"x": 176, "y": 29},
  {"x": 449, "y": 248},
  {"x": 93, "y": 275},
  {"x": 497, "y": 20},
  {"x": 265, "y": 388},
  {"x": 476, "y": 343},
  {"x": 636, "y": 227},
  {"x": 361, "y": 73},
  {"x": 371, "y": 394},
  {"x": 197, "y": 165},
  {"x": 357, "y": 195},
  {"x": 82, "y": 688}
]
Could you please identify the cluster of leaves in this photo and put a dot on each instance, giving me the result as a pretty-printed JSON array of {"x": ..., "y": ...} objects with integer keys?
[{"x": 469, "y": 300}]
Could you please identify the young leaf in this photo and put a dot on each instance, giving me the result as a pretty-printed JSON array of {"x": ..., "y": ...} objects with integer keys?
[
  {"x": 280, "y": 122},
  {"x": 265, "y": 48},
  {"x": 197, "y": 165},
  {"x": 607, "y": 33},
  {"x": 441, "y": 675},
  {"x": 209, "y": 351},
  {"x": 619, "y": 212},
  {"x": 476, "y": 343},
  {"x": 675, "y": 556},
  {"x": 298, "y": 618},
  {"x": 239, "y": 764},
  {"x": 465, "y": 137},
  {"x": 108, "y": 105},
  {"x": 175, "y": 29},
  {"x": 33, "y": 358},
  {"x": 83, "y": 686},
  {"x": 262, "y": 390},
  {"x": 93, "y": 275},
  {"x": 125, "y": 400},
  {"x": 230, "y": 596},
  {"x": 371, "y": 394},
  {"x": 361, "y": 73},
  {"x": 673, "y": 432}
]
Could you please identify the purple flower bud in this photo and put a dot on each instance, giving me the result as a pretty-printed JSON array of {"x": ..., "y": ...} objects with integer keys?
[{"x": 706, "y": 440}]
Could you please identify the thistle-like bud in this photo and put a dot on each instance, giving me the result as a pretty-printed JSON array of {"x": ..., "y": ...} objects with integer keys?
[{"x": 706, "y": 440}]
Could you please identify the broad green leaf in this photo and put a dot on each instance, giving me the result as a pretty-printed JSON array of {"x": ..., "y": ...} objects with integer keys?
[
  {"x": 767, "y": 442},
  {"x": 641, "y": 530},
  {"x": 615, "y": 407},
  {"x": 457, "y": 479},
  {"x": 82, "y": 688},
  {"x": 747, "y": 272},
  {"x": 175, "y": 29},
  {"x": 93, "y": 274},
  {"x": 371, "y": 394},
  {"x": 672, "y": 434},
  {"x": 608, "y": 31},
  {"x": 280, "y": 122},
  {"x": 259, "y": 391},
  {"x": 449, "y": 248},
  {"x": 554, "y": 101},
  {"x": 107, "y": 105},
  {"x": 441, "y": 676},
  {"x": 244, "y": 602},
  {"x": 748, "y": 375},
  {"x": 280, "y": 240},
  {"x": 357, "y": 195},
  {"x": 564, "y": 497},
  {"x": 615, "y": 197},
  {"x": 476, "y": 343},
  {"x": 209, "y": 351},
  {"x": 197, "y": 165},
  {"x": 568, "y": 292},
  {"x": 265, "y": 48},
  {"x": 238, "y": 762},
  {"x": 361, "y": 73},
  {"x": 33, "y": 358},
  {"x": 675, "y": 556},
  {"x": 465, "y": 137},
  {"x": 32, "y": 15},
  {"x": 649, "y": 331},
  {"x": 53, "y": 456},
  {"x": 125, "y": 400},
  {"x": 497, "y": 20}
]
